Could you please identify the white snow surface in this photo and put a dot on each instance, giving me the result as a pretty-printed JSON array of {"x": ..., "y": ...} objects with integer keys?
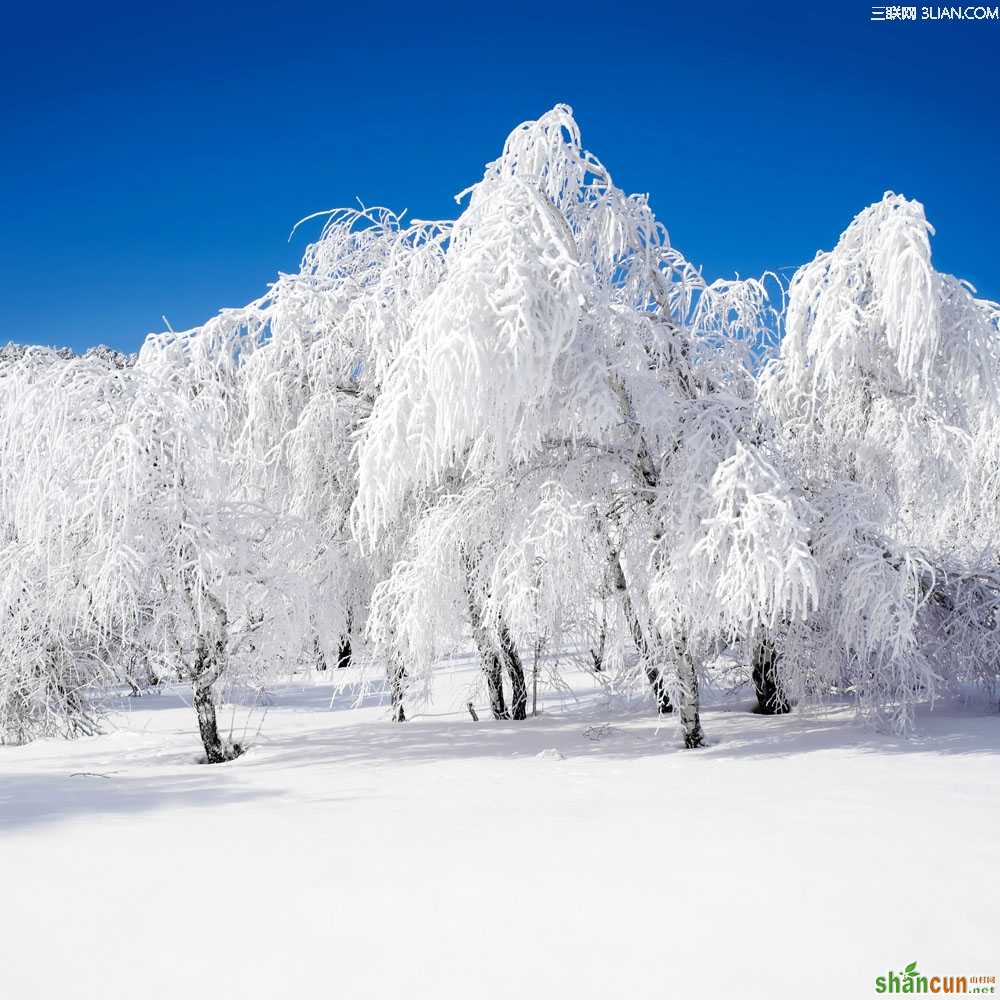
[{"x": 578, "y": 854}]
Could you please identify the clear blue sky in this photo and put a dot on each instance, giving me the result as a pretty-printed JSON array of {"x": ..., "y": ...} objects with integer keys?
[{"x": 157, "y": 155}]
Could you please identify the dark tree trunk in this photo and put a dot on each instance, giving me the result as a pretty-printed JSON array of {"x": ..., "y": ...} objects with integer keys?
[
  {"x": 215, "y": 751},
  {"x": 344, "y": 652},
  {"x": 492, "y": 662},
  {"x": 319, "y": 657},
  {"x": 694, "y": 737},
  {"x": 653, "y": 673},
  {"x": 208, "y": 666},
  {"x": 534, "y": 681},
  {"x": 493, "y": 668},
  {"x": 138, "y": 672},
  {"x": 658, "y": 686},
  {"x": 518, "y": 689},
  {"x": 597, "y": 655},
  {"x": 397, "y": 683},
  {"x": 771, "y": 699}
]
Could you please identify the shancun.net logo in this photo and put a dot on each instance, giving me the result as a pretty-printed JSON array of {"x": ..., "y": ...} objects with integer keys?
[{"x": 910, "y": 980}]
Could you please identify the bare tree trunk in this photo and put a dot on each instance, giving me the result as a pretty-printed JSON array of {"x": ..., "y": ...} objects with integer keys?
[
  {"x": 208, "y": 727},
  {"x": 490, "y": 656},
  {"x": 658, "y": 686},
  {"x": 771, "y": 699},
  {"x": 597, "y": 655},
  {"x": 494, "y": 683},
  {"x": 397, "y": 683},
  {"x": 137, "y": 671},
  {"x": 653, "y": 673},
  {"x": 208, "y": 669},
  {"x": 209, "y": 662},
  {"x": 344, "y": 652},
  {"x": 690, "y": 717},
  {"x": 534, "y": 681},
  {"x": 518, "y": 690},
  {"x": 498, "y": 652},
  {"x": 319, "y": 657},
  {"x": 649, "y": 476}
]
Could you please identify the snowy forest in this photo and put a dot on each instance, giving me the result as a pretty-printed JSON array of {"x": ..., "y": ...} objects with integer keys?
[{"x": 535, "y": 432}]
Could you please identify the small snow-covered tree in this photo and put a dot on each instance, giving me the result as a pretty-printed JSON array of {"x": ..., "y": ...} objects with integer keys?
[
  {"x": 55, "y": 409},
  {"x": 126, "y": 532},
  {"x": 301, "y": 368}
]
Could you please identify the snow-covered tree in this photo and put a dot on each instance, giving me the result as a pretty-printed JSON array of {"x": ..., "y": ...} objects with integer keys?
[
  {"x": 301, "y": 368},
  {"x": 194, "y": 565},
  {"x": 883, "y": 399},
  {"x": 55, "y": 410},
  {"x": 569, "y": 348}
]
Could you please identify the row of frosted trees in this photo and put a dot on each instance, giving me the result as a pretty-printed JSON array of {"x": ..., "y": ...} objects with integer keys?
[{"x": 537, "y": 426}]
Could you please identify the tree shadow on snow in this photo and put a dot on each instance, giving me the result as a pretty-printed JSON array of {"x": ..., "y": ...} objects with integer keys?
[
  {"x": 28, "y": 799},
  {"x": 948, "y": 731},
  {"x": 593, "y": 733}
]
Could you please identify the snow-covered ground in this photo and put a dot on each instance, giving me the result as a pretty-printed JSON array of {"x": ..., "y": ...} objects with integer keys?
[{"x": 579, "y": 854}]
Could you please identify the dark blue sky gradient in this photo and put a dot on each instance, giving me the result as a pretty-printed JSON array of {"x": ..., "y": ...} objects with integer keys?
[{"x": 157, "y": 156}]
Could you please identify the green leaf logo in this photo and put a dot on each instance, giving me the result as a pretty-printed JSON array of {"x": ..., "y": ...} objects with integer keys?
[{"x": 911, "y": 970}]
